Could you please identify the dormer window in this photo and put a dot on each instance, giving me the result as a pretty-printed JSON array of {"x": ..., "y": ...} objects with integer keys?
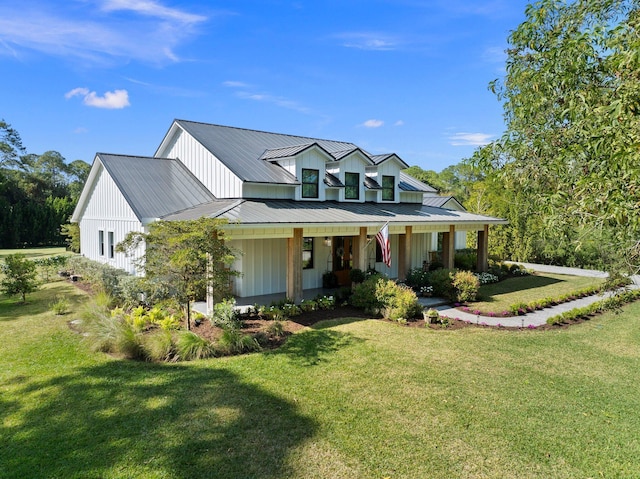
[
  {"x": 310, "y": 183},
  {"x": 388, "y": 188},
  {"x": 352, "y": 186}
]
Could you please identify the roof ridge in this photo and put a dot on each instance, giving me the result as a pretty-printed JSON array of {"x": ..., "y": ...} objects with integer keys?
[{"x": 264, "y": 131}]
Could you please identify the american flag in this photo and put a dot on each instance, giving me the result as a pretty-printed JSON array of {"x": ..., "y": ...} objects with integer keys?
[{"x": 383, "y": 240}]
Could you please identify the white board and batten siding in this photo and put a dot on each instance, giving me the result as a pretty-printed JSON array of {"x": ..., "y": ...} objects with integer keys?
[
  {"x": 107, "y": 211},
  {"x": 219, "y": 179}
]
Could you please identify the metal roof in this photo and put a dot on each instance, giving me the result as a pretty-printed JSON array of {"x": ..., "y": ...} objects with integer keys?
[
  {"x": 332, "y": 181},
  {"x": 371, "y": 183},
  {"x": 409, "y": 183},
  {"x": 289, "y": 212},
  {"x": 438, "y": 201},
  {"x": 243, "y": 151},
  {"x": 154, "y": 187}
]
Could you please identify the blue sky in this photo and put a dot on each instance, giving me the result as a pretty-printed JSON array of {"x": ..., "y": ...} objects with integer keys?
[{"x": 403, "y": 76}]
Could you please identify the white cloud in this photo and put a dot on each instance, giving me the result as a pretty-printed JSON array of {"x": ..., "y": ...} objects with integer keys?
[
  {"x": 141, "y": 30},
  {"x": 111, "y": 100},
  {"x": 470, "y": 139},
  {"x": 235, "y": 84},
  {"x": 152, "y": 9},
  {"x": 399, "y": 123},
  {"x": 368, "y": 41},
  {"x": 373, "y": 123}
]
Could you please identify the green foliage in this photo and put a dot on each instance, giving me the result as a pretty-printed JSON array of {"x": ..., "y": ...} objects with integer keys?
[
  {"x": 442, "y": 282},
  {"x": 569, "y": 160},
  {"x": 329, "y": 280},
  {"x": 225, "y": 315},
  {"x": 189, "y": 346},
  {"x": 234, "y": 341},
  {"x": 71, "y": 232},
  {"x": 466, "y": 260},
  {"x": 378, "y": 295},
  {"x": 356, "y": 275},
  {"x": 613, "y": 302},
  {"x": 466, "y": 286},
  {"x": 19, "y": 276},
  {"x": 158, "y": 345},
  {"x": 60, "y": 306},
  {"x": 417, "y": 278},
  {"x": 185, "y": 257}
]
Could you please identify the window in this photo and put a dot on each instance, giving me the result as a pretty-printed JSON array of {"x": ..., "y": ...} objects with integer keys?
[
  {"x": 307, "y": 253},
  {"x": 388, "y": 188},
  {"x": 310, "y": 183},
  {"x": 352, "y": 186},
  {"x": 101, "y": 242},
  {"x": 111, "y": 245}
]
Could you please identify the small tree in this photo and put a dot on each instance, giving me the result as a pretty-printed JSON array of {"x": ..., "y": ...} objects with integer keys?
[
  {"x": 185, "y": 258},
  {"x": 20, "y": 276}
]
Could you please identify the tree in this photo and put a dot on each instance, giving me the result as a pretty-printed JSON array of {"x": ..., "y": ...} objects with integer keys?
[
  {"x": 19, "y": 276},
  {"x": 184, "y": 257},
  {"x": 571, "y": 97}
]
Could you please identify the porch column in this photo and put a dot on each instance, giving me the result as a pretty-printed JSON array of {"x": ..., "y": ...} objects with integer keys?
[
  {"x": 294, "y": 266},
  {"x": 404, "y": 253},
  {"x": 449, "y": 247},
  {"x": 483, "y": 249},
  {"x": 360, "y": 250}
]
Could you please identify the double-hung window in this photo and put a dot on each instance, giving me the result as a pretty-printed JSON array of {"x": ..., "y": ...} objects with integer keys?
[
  {"x": 388, "y": 188},
  {"x": 101, "y": 242},
  {"x": 310, "y": 183},
  {"x": 112, "y": 246},
  {"x": 307, "y": 253},
  {"x": 352, "y": 186}
]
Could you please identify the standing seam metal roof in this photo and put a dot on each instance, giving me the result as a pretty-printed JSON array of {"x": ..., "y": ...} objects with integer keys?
[
  {"x": 240, "y": 150},
  {"x": 274, "y": 212},
  {"x": 154, "y": 187}
]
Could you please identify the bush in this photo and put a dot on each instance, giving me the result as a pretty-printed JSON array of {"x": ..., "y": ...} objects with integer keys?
[
  {"x": 159, "y": 346},
  {"x": 466, "y": 286},
  {"x": 60, "y": 306},
  {"x": 466, "y": 260},
  {"x": 442, "y": 282},
  {"x": 225, "y": 314},
  {"x": 190, "y": 346},
  {"x": 329, "y": 280},
  {"x": 417, "y": 278},
  {"x": 233, "y": 341},
  {"x": 377, "y": 295},
  {"x": 356, "y": 275}
]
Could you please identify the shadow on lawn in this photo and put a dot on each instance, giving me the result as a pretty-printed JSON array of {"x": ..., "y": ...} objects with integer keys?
[
  {"x": 128, "y": 418},
  {"x": 309, "y": 348}
]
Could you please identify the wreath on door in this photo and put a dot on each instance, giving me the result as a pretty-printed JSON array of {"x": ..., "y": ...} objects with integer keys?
[{"x": 340, "y": 251}]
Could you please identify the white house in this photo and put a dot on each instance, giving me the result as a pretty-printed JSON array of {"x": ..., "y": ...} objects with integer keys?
[{"x": 297, "y": 207}]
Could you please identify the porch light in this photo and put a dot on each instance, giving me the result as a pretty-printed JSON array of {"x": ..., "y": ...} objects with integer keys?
[{"x": 327, "y": 241}]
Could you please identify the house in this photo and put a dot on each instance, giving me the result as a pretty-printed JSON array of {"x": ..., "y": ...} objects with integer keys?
[{"x": 297, "y": 207}]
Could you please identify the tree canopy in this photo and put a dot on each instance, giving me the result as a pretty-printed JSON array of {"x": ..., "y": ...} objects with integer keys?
[
  {"x": 571, "y": 98},
  {"x": 37, "y": 192}
]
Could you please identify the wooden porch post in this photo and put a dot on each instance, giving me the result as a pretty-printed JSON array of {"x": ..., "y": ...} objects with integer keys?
[
  {"x": 483, "y": 249},
  {"x": 449, "y": 247},
  {"x": 404, "y": 253},
  {"x": 294, "y": 266},
  {"x": 359, "y": 250}
]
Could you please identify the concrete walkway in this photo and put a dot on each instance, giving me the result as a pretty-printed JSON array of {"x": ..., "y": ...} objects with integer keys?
[{"x": 529, "y": 320}]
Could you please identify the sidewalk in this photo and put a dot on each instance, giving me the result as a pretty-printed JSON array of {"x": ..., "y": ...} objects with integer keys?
[{"x": 535, "y": 318}]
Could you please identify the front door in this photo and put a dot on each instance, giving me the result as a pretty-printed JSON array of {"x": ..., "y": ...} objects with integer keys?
[{"x": 342, "y": 258}]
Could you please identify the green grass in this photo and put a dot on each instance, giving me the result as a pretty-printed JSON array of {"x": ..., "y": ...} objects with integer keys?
[
  {"x": 350, "y": 399},
  {"x": 498, "y": 297},
  {"x": 35, "y": 253}
]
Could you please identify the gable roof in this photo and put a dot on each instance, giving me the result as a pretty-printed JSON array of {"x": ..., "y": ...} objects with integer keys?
[
  {"x": 244, "y": 151},
  {"x": 153, "y": 187},
  {"x": 441, "y": 201},
  {"x": 409, "y": 183}
]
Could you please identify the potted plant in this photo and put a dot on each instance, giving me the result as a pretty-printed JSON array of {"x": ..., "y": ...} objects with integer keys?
[{"x": 431, "y": 316}]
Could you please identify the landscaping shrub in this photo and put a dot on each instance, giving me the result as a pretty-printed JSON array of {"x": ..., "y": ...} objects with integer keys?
[
  {"x": 378, "y": 295},
  {"x": 329, "y": 280},
  {"x": 417, "y": 278},
  {"x": 233, "y": 341},
  {"x": 225, "y": 314},
  {"x": 466, "y": 286},
  {"x": 466, "y": 260},
  {"x": 442, "y": 282},
  {"x": 60, "y": 306},
  {"x": 189, "y": 346},
  {"x": 158, "y": 345},
  {"x": 356, "y": 275}
]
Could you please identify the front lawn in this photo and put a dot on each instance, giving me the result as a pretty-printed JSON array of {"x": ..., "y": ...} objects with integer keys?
[
  {"x": 500, "y": 296},
  {"x": 350, "y": 398}
]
